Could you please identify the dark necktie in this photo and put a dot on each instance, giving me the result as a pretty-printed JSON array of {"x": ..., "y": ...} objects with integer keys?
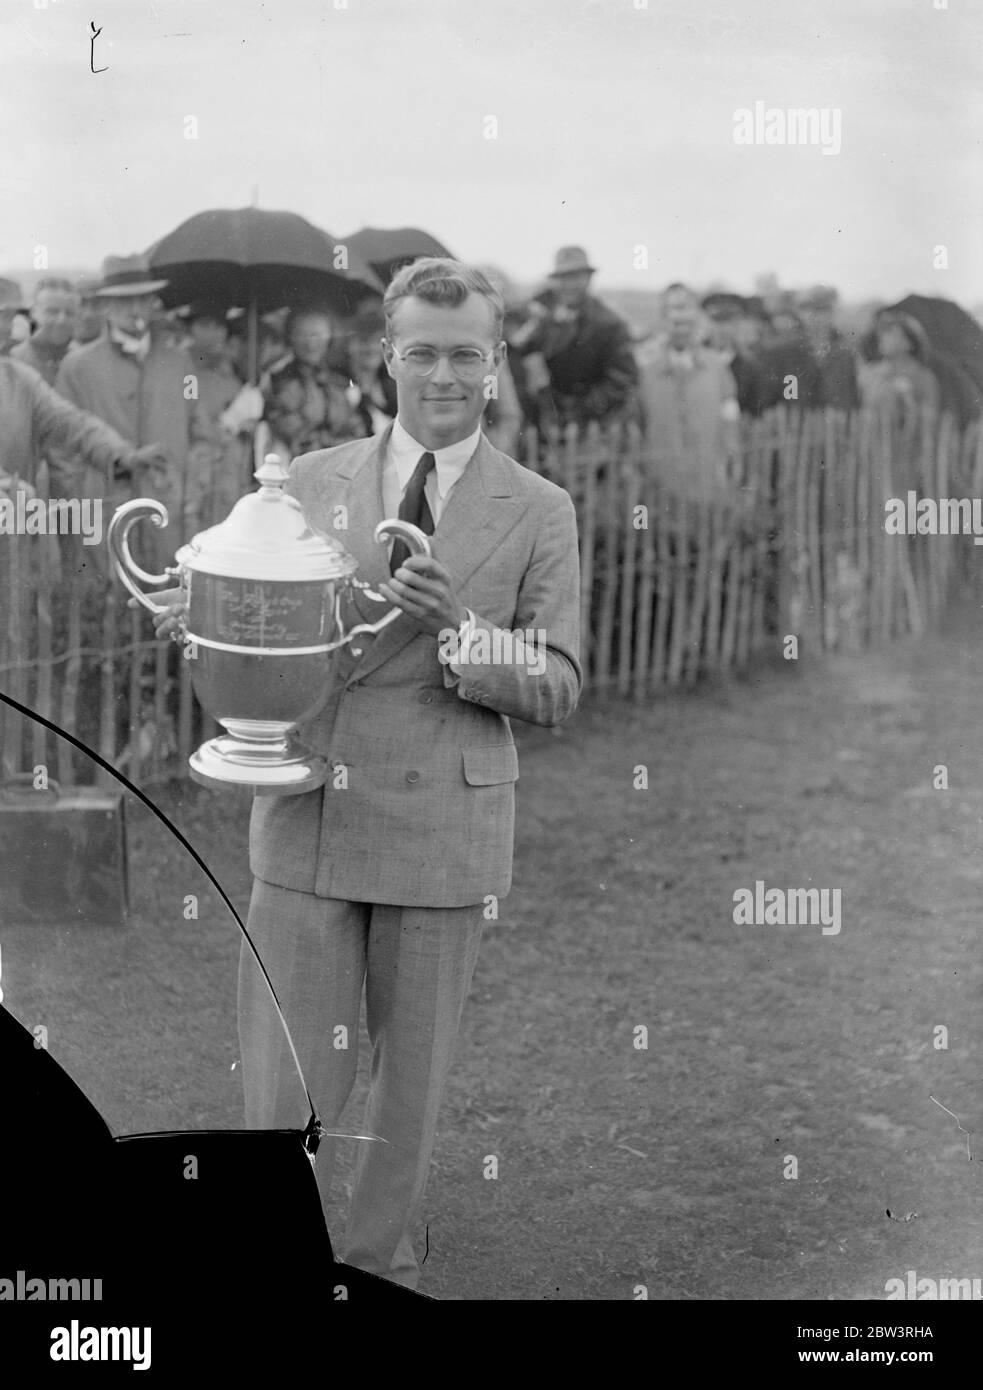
[{"x": 414, "y": 508}]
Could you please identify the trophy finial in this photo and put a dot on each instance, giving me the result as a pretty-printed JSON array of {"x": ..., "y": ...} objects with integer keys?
[{"x": 271, "y": 477}]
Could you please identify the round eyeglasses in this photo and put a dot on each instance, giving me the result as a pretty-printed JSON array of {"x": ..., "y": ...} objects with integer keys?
[{"x": 466, "y": 363}]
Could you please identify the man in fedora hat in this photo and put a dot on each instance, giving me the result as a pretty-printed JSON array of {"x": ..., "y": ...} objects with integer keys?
[
  {"x": 577, "y": 353},
  {"x": 139, "y": 388}
]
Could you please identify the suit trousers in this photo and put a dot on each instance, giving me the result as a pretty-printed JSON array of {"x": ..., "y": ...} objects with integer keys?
[{"x": 416, "y": 964}]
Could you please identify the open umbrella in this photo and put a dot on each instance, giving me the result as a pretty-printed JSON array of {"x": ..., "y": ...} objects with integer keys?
[
  {"x": 258, "y": 260},
  {"x": 386, "y": 249},
  {"x": 956, "y": 335},
  {"x": 123, "y": 1153}
]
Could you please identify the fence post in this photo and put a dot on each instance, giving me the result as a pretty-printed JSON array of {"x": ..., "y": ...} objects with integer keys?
[
  {"x": 107, "y": 683},
  {"x": 136, "y": 670},
  {"x": 694, "y": 644},
  {"x": 589, "y": 511},
  {"x": 18, "y": 618},
  {"x": 635, "y": 495},
  {"x": 613, "y": 548},
  {"x": 653, "y": 588},
  {"x": 47, "y": 554},
  {"x": 72, "y": 571}
]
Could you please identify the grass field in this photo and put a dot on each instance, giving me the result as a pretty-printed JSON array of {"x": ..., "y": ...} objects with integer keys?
[{"x": 663, "y": 1165}]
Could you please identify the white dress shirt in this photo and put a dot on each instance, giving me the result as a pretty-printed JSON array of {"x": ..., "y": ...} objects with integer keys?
[{"x": 402, "y": 457}]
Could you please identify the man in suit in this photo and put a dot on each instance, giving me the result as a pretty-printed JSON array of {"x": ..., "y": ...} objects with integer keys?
[
  {"x": 387, "y": 874},
  {"x": 139, "y": 387},
  {"x": 576, "y": 352},
  {"x": 689, "y": 408}
]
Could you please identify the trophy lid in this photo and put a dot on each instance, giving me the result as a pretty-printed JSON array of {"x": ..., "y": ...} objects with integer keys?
[{"x": 266, "y": 536}]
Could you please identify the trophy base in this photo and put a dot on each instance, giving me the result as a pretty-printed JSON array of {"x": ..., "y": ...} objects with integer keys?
[{"x": 266, "y": 769}]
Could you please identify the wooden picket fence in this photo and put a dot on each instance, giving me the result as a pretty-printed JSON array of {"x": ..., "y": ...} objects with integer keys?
[{"x": 670, "y": 589}]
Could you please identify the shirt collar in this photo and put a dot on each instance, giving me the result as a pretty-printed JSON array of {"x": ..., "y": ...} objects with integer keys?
[
  {"x": 451, "y": 462},
  {"x": 138, "y": 348}
]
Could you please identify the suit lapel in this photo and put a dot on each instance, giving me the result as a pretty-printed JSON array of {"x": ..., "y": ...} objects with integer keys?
[
  {"x": 360, "y": 477},
  {"x": 480, "y": 512}
]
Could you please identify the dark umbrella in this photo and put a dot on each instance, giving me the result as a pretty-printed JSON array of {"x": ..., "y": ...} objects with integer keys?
[
  {"x": 953, "y": 333},
  {"x": 386, "y": 249},
  {"x": 258, "y": 260},
  {"x": 123, "y": 1155}
]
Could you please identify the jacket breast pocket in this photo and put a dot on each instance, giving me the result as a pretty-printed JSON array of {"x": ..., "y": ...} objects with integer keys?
[{"x": 489, "y": 765}]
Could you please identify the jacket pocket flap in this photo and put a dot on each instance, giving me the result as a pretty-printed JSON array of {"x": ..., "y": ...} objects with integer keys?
[{"x": 484, "y": 767}]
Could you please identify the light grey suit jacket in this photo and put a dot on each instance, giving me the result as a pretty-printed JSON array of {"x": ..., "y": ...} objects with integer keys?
[{"x": 419, "y": 810}]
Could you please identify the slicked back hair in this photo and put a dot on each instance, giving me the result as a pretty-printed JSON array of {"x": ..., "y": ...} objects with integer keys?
[{"x": 440, "y": 280}]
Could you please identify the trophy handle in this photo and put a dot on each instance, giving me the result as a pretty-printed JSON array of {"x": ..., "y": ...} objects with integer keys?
[
  {"x": 117, "y": 539},
  {"x": 418, "y": 543}
]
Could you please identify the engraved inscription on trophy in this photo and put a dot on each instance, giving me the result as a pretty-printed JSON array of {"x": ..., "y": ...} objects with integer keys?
[{"x": 256, "y": 615}]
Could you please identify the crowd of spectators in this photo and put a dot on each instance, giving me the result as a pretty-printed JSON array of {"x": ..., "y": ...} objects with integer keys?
[{"x": 107, "y": 348}]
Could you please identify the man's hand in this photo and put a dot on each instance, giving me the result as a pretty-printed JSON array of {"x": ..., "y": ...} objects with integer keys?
[
  {"x": 170, "y": 622},
  {"x": 422, "y": 588},
  {"x": 244, "y": 411},
  {"x": 150, "y": 464}
]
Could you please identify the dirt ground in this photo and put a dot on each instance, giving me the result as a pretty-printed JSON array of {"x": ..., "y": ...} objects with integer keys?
[{"x": 661, "y": 1166}]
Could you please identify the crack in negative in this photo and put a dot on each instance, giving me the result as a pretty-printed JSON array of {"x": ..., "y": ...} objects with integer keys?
[{"x": 956, "y": 1118}]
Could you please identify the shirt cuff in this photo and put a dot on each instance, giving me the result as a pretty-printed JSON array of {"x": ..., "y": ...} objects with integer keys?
[{"x": 456, "y": 655}]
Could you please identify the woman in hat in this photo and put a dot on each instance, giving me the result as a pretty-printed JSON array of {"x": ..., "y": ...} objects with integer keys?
[
  {"x": 903, "y": 392},
  {"x": 309, "y": 406},
  {"x": 217, "y": 466}
]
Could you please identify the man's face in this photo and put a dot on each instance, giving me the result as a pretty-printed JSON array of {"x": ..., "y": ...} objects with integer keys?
[
  {"x": 131, "y": 313},
  {"x": 92, "y": 316},
  {"x": 680, "y": 311},
  {"x": 56, "y": 314},
  {"x": 441, "y": 408},
  {"x": 571, "y": 289},
  {"x": 309, "y": 338}
]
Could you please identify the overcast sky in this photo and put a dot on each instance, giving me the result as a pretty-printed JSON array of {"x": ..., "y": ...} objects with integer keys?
[{"x": 615, "y": 124}]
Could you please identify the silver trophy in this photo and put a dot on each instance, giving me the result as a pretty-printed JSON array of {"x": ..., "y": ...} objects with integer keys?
[{"x": 263, "y": 595}]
